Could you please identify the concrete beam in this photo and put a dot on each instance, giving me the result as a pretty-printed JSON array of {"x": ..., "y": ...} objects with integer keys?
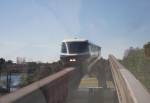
[{"x": 52, "y": 89}]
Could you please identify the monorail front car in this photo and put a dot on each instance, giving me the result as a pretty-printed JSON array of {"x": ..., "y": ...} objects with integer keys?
[{"x": 78, "y": 51}]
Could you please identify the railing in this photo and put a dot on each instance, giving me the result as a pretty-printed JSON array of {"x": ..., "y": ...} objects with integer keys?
[
  {"x": 53, "y": 89},
  {"x": 129, "y": 89}
]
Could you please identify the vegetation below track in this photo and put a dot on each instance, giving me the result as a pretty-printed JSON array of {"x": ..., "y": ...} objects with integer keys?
[
  {"x": 139, "y": 65},
  {"x": 29, "y": 71},
  {"x": 37, "y": 71}
]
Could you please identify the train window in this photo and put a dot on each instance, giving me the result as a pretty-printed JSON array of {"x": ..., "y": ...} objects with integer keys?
[
  {"x": 77, "y": 47},
  {"x": 63, "y": 48}
]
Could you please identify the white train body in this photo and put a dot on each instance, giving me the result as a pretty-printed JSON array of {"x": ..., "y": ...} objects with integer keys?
[{"x": 78, "y": 51}]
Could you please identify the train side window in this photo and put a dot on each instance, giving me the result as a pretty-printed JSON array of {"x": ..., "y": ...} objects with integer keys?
[{"x": 63, "y": 49}]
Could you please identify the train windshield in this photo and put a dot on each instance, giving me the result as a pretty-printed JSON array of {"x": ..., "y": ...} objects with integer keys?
[
  {"x": 77, "y": 47},
  {"x": 63, "y": 48}
]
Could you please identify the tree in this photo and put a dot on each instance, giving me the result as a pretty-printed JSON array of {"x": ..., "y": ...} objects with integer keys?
[
  {"x": 9, "y": 62},
  {"x": 138, "y": 65},
  {"x": 32, "y": 66},
  {"x": 2, "y": 63},
  {"x": 147, "y": 49}
]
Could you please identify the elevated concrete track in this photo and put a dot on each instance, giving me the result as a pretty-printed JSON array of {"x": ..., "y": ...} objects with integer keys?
[{"x": 129, "y": 89}]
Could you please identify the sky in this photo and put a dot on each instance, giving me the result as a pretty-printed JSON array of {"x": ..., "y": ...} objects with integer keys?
[{"x": 34, "y": 29}]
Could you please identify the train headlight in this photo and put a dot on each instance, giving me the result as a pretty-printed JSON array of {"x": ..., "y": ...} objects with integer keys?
[{"x": 72, "y": 60}]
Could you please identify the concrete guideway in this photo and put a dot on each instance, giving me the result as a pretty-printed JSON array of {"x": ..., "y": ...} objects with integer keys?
[
  {"x": 129, "y": 89},
  {"x": 136, "y": 89},
  {"x": 51, "y": 89},
  {"x": 92, "y": 64}
]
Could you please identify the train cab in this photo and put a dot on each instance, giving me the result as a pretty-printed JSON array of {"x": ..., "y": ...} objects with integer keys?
[{"x": 74, "y": 51}]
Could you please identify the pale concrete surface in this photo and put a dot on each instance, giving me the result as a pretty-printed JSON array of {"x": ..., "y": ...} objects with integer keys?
[
  {"x": 89, "y": 82},
  {"x": 137, "y": 90}
]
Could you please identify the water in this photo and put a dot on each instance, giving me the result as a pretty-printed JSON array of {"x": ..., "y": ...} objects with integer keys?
[{"x": 15, "y": 81}]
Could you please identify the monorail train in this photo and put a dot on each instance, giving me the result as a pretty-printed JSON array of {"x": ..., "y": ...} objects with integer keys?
[{"x": 74, "y": 51}]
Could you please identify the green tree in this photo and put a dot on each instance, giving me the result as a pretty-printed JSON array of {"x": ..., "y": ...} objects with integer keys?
[
  {"x": 2, "y": 64},
  {"x": 136, "y": 62},
  {"x": 9, "y": 62}
]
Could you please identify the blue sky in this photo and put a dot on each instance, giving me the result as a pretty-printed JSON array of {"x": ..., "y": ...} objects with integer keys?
[{"x": 35, "y": 28}]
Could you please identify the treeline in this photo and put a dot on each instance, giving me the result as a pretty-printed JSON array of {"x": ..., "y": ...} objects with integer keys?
[
  {"x": 37, "y": 71},
  {"x": 29, "y": 71},
  {"x": 136, "y": 61},
  {"x": 4, "y": 63}
]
